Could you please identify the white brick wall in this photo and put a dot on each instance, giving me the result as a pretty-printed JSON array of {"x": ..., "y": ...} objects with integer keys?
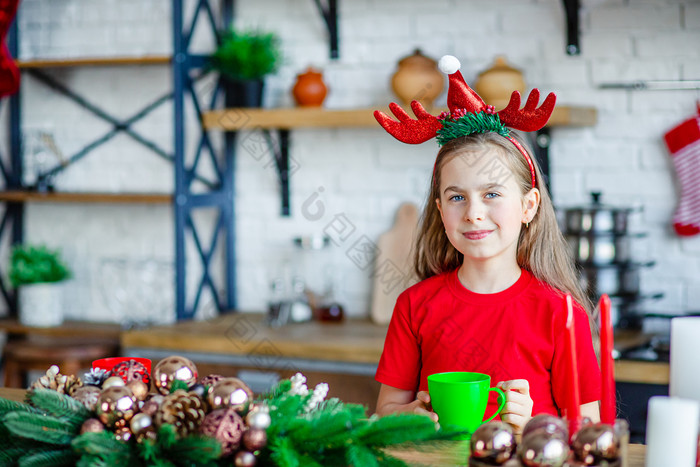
[{"x": 364, "y": 174}]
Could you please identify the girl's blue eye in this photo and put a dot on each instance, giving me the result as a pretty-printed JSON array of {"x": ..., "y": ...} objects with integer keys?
[
  {"x": 491, "y": 195},
  {"x": 456, "y": 198}
]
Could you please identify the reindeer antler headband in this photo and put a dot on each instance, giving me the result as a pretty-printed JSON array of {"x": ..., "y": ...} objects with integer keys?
[{"x": 468, "y": 115}]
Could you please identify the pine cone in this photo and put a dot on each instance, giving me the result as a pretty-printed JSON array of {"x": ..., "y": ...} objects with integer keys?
[
  {"x": 184, "y": 410},
  {"x": 65, "y": 384}
]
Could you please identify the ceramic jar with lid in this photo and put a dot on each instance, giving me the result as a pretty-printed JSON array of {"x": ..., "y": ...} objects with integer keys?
[
  {"x": 417, "y": 78},
  {"x": 309, "y": 89},
  {"x": 496, "y": 84}
]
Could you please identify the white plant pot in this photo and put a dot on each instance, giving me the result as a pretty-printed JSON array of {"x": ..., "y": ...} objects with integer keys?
[{"x": 41, "y": 304}]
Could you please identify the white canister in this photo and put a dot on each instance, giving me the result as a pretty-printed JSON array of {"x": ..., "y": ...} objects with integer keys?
[
  {"x": 41, "y": 304},
  {"x": 684, "y": 363},
  {"x": 672, "y": 432}
]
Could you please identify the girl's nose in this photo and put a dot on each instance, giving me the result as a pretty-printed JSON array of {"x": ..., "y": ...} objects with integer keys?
[{"x": 474, "y": 212}]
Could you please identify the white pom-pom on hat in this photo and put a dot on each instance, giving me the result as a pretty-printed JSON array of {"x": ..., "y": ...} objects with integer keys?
[{"x": 449, "y": 64}]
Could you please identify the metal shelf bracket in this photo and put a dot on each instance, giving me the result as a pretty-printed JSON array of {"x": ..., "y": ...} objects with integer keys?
[
  {"x": 572, "y": 27},
  {"x": 329, "y": 13}
]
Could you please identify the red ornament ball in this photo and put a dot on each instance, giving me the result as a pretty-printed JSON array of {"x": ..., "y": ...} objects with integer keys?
[
  {"x": 226, "y": 426},
  {"x": 131, "y": 370}
]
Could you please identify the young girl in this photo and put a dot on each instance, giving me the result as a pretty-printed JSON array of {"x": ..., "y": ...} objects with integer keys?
[{"x": 494, "y": 268}]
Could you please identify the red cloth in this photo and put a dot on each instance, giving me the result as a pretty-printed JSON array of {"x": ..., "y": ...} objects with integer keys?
[
  {"x": 9, "y": 73},
  {"x": 438, "y": 325}
]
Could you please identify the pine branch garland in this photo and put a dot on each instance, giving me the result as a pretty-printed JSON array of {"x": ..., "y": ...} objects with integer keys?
[
  {"x": 59, "y": 405},
  {"x": 53, "y": 458},
  {"x": 469, "y": 124},
  {"x": 396, "y": 429},
  {"x": 9, "y": 455},
  {"x": 361, "y": 455},
  {"x": 195, "y": 450},
  {"x": 42, "y": 428},
  {"x": 280, "y": 390},
  {"x": 7, "y": 406},
  {"x": 100, "y": 445}
]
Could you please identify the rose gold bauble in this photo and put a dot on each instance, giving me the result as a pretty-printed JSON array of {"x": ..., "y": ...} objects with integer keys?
[
  {"x": 92, "y": 425},
  {"x": 210, "y": 380},
  {"x": 113, "y": 381},
  {"x": 595, "y": 443},
  {"x": 123, "y": 434},
  {"x": 138, "y": 389},
  {"x": 115, "y": 404},
  {"x": 254, "y": 439},
  {"x": 171, "y": 368},
  {"x": 87, "y": 395},
  {"x": 417, "y": 78},
  {"x": 553, "y": 425},
  {"x": 496, "y": 84},
  {"x": 539, "y": 448},
  {"x": 140, "y": 423},
  {"x": 244, "y": 459},
  {"x": 309, "y": 89},
  {"x": 493, "y": 441},
  {"x": 226, "y": 426},
  {"x": 230, "y": 392}
]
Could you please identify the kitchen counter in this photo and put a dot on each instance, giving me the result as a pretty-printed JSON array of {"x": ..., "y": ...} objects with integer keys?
[{"x": 353, "y": 342}]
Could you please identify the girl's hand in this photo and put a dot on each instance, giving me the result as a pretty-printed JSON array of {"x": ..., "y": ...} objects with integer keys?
[
  {"x": 393, "y": 400},
  {"x": 422, "y": 406},
  {"x": 518, "y": 409}
]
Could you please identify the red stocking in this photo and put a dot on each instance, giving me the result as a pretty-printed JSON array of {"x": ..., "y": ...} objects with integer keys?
[
  {"x": 9, "y": 73},
  {"x": 683, "y": 142}
]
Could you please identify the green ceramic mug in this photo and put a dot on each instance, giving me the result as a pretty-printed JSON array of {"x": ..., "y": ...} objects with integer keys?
[{"x": 460, "y": 398}]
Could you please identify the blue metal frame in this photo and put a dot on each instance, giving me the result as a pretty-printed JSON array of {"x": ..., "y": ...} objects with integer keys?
[{"x": 220, "y": 194}]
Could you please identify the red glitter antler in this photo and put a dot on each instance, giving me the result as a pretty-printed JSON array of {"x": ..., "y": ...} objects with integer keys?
[
  {"x": 408, "y": 130},
  {"x": 530, "y": 118}
]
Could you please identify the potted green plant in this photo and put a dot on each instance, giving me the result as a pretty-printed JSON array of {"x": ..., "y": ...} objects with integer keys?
[
  {"x": 37, "y": 273},
  {"x": 243, "y": 59}
]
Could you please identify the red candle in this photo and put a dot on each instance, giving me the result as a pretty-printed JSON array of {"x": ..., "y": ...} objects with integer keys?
[
  {"x": 573, "y": 409},
  {"x": 607, "y": 367}
]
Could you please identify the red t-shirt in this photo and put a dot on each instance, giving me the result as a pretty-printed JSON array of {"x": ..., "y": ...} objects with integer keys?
[{"x": 438, "y": 325}]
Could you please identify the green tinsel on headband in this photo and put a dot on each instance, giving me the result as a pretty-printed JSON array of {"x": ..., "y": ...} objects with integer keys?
[{"x": 469, "y": 124}]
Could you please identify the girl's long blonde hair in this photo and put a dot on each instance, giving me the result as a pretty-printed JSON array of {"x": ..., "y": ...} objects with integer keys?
[{"x": 542, "y": 249}]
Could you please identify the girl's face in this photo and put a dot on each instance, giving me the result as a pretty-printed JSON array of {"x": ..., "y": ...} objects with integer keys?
[{"x": 482, "y": 207}]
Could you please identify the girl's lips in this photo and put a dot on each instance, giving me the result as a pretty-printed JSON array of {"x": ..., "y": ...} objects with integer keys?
[{"x": 476, "y": 234}]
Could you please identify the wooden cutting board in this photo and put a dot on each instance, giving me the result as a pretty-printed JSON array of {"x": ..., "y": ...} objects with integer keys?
[{"x": 394, "y": 263}]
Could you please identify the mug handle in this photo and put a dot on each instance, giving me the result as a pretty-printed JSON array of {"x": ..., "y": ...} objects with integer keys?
[{"x": 502, "y": 396}]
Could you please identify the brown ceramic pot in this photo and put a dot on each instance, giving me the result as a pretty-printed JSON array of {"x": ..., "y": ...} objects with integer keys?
[
  {"x": 496, "y": 84},
  {"x": 309, "y": 89},
  {"x": 417, "y": 78}
]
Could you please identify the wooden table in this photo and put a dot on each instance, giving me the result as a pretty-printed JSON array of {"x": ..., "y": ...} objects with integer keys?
[{"x": 445, "y": 453}]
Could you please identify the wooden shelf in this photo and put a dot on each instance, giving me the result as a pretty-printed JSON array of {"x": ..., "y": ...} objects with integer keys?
[
  {"x": 95, "y": 61},
  {"x": 630, "y": 371},
  {"x": 59, "y": 197},
  {"x": 318, "y": 117}
]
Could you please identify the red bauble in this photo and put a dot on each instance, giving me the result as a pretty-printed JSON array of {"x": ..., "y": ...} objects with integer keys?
[{"x": 131, "y": 370}]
